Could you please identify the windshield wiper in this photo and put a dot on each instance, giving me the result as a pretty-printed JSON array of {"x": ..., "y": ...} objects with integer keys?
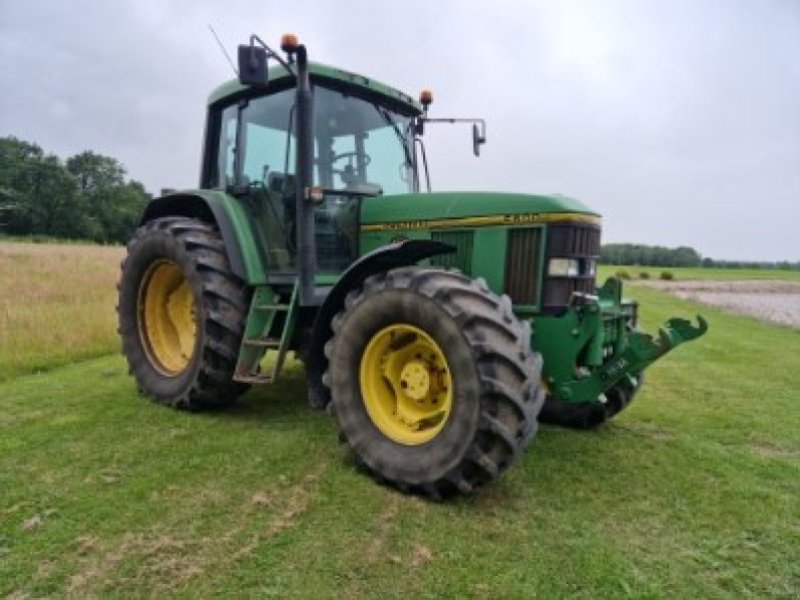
[{"x": 390, "y": 121}]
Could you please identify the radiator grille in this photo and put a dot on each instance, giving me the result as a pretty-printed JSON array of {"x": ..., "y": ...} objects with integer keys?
[
  {"x": 568, "y": 241},
  {"x": 461, "y": 259},
  {"x": 572, "y": 240},
  {"x": 522, "y": 265}
]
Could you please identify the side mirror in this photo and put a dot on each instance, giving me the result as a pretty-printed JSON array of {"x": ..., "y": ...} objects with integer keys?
[
  {"x": 252, "y": 65},
  {"x": 477, "y": 140}
]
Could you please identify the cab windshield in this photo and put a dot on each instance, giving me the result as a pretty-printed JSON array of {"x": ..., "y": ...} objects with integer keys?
[
  {"x": 360, "y": 146},
  {"x": 361, "y": 149}
]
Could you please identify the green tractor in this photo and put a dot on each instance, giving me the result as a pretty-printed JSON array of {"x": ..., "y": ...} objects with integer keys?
[{"x": 437, "y": 328}]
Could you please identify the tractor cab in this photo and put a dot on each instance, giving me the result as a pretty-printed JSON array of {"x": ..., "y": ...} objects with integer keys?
[{"x": 362, "y": 146}]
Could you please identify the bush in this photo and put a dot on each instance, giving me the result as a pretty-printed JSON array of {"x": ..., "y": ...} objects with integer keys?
[
  {"x": 644, "y": 275},
  {"x": 623, "y": 274},
  {"x": 666, "y": 276}
]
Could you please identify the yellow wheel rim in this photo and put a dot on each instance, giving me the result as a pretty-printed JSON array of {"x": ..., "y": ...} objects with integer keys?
[
  {"x": 406, "y": 384},
  {"x": 167, "y": 317}
]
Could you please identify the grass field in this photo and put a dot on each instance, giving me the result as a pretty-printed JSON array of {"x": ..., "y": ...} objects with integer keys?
[
  {"x": 690, "y": 493},
  {"x": 683, "y": 273},
  {"x": 56, "y": 304}
]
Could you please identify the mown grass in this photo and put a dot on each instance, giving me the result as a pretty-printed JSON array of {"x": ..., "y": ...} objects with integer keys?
[
  {"x": 690, "y": 493},
  {"x": 56, "y": 304},
  {"x": 683, "y": 273}
]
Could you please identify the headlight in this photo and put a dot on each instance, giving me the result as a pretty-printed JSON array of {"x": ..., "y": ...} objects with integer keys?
[{"x": 563, "y": 267}]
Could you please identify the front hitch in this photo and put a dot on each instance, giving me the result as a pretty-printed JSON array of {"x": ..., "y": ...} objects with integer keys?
[
  {"x": 643, "y": 350},
  {"x": 593, "y": 345}
]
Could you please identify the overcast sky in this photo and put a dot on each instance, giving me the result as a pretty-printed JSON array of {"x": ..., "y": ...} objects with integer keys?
[{"x": 679, "y": 121}]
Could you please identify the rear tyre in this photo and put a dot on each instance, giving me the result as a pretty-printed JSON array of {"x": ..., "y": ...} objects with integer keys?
[
  {"x": 589, "y": 416},
  {"x": 181, "y": 314},
  {"x": 433, "y": 383}
]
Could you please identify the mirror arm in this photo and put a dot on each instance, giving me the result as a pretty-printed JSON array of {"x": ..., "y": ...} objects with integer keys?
[
  {"x": 478, "y": 138},
  {"x": 272, "y": 54},
  {"x": 480, "y": 122}
]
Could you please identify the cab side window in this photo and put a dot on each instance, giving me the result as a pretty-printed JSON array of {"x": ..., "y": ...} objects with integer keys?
[
  {"x": 226, "y": 148},
  {"x": 266, "y": 163}
]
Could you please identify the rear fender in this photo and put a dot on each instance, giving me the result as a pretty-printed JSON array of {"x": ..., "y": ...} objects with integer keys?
[{"x": 246, "y": 253}]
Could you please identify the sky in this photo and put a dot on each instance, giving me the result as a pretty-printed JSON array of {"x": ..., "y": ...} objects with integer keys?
[{"x": 677, "y": 120}]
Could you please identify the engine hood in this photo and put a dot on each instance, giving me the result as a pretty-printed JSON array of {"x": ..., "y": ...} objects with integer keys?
[{"x": 465, "y": 209}]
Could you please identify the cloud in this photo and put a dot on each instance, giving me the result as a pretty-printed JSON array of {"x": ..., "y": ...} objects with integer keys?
[{"x": 677, "y": 120}]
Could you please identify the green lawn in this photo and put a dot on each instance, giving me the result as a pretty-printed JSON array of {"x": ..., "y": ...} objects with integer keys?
[{"x": 692, "y": 493}]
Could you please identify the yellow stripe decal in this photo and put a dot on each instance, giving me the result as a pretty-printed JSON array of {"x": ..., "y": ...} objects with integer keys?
[{"x": 489, "y": 221}]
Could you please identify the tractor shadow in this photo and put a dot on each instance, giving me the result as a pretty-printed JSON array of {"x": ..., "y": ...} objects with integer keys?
[{"x": 285, "y": 401}]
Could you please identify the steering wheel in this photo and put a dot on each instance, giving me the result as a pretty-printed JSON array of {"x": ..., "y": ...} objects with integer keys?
[{"x": 365, "y": 160}]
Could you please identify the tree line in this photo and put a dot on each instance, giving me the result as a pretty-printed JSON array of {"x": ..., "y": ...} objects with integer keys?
[
  {"x": 88, "y": 196},
  {"x": 682, "y": 256}
]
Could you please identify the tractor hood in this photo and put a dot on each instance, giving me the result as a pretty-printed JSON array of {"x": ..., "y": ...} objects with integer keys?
[{"x": 469, "y": 209}]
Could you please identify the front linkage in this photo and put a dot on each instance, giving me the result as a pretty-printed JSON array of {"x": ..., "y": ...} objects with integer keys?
[{"x": 595, "y": 346}]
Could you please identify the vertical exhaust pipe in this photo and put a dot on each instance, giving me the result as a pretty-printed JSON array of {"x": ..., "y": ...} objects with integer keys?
[{"x": 306, "y": 247}]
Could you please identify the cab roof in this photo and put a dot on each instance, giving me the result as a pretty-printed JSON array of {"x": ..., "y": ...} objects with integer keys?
[{"x": 279, "y": 75}]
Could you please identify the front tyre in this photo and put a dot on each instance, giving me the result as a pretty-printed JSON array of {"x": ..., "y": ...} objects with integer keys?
[
  {"x": 181, "y": 314},
  {"x": 592, "y": 415},
  {"x": 433, "y": 382}
]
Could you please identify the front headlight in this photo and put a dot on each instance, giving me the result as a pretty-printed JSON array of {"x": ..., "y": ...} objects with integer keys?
[{"x": 563, "y": 267}]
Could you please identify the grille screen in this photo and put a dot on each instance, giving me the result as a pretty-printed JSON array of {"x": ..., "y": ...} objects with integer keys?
[
  {"x": 522, "y": 265},
  {"x": 461, "y": 259},
  {"x": 567, "y": 241},
  {"x": 573, "y": 240}
]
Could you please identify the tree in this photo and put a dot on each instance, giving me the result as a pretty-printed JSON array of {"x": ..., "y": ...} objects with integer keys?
[
  {"x": 88, "y": 197},
  {"x": 38, "y": 194},
  {"x": 644, "y": 255},
  {"x": 114, "y": 204}
]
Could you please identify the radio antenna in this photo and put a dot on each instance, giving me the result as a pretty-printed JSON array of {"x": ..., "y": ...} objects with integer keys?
[{"x": 221, "y": 47}]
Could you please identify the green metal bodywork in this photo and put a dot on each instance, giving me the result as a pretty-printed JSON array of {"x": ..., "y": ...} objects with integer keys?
[
  {"x": 486, "y": 217},
  {"x": 448, "y": 205}
]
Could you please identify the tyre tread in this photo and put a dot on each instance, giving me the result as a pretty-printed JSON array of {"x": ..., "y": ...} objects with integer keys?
[
  {"x": 226, "y": 300},
  {"x": 501, "y": 347}
]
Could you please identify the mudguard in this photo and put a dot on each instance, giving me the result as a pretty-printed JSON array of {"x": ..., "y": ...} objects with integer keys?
[
  {"x": 246, "y": 253},
  {"x": 382, "y": 259}
]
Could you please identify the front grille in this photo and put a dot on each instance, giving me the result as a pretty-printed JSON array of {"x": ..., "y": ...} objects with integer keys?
[
  {"x": 522, "y": 265},
  {"x": 461, "y": 259},
  {"x": 573, "y": 240},
  {"x": 570, "y": 241}
]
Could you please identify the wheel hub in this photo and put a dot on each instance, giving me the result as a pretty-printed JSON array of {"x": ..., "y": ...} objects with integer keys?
[
  {"x": 405, "y": 384},
  {"x": 167, "y": 317},
  {"x": 415, "y": 380}
]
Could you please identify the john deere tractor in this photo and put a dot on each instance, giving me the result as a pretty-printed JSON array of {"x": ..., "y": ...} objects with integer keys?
[{"x": 437, "y": 328}]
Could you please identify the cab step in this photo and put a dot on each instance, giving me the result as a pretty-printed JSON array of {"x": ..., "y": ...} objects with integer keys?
[
  {"x": 269, "y": 343},
  {"x": 269, "y": 328}
]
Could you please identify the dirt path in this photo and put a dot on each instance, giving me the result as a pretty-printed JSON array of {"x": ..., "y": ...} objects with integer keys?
[{"x": 775, "y": 301}]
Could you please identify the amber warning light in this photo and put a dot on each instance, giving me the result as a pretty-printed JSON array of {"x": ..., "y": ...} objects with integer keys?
[
  {"x": 289, "y": 42},
  {"x": 425, "y": 98}
]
